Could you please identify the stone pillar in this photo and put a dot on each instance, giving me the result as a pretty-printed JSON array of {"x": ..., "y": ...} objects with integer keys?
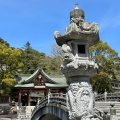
[
  {"x": 105, "y": 95},
  {"x": 9, "y": 99},
  {"x": 29, "y": 97},
  {"x": 80, "y": 100}
]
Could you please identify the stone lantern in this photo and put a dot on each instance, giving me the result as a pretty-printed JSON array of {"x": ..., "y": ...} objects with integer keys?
[{"x": 77, "y": 67}]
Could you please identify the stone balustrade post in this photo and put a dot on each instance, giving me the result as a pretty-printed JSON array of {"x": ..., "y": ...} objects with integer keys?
[
  {"x": 49, "y": 93},
  {"x": 105, "y": 95}
]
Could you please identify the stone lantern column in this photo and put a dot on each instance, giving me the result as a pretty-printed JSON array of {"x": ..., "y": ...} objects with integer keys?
[{"x": 77, "y": 67}]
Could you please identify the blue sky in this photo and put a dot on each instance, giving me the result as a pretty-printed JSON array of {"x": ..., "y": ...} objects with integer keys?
[{"x": 36, "y": 20}]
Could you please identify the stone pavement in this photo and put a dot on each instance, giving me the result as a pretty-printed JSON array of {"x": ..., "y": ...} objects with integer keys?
[
  {"x": 23, "y": 114},
  {"x": 13, "y": 119},
  {"x": 7, "y": 119}
]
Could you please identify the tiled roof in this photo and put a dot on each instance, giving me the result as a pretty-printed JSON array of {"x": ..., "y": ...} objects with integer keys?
[
  {"x": 30, "y": 85},
  {"x": 56, "y": 85},
  {"x": 25, "y": 80}
]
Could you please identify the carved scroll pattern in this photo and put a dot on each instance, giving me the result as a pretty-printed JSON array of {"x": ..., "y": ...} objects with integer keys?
[{"x": 80, "y": 101}]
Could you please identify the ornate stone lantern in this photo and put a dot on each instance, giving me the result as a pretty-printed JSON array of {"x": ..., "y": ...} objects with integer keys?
[{"x": 77, "y": 67}]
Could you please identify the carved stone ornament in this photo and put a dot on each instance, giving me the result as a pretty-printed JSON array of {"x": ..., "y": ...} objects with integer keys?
[
  {"x": 71, "y": 63},
  {"x": 68, "y": 57},
  {"x": 79, "y": 25},
  {"x": 80, "y": 101}
]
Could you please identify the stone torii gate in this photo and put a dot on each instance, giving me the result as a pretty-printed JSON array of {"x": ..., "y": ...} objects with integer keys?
[{"x": 77, "y": 67}]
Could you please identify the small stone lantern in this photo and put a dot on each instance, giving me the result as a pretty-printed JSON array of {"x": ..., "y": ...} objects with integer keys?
[
  {"x": 112, "y": 109},
  {"x": 113, "y": 115},
  {"x": 106, "y": 116}
]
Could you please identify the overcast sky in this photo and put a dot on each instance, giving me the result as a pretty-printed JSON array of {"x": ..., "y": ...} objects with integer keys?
[{"x": 36, "y": 20}]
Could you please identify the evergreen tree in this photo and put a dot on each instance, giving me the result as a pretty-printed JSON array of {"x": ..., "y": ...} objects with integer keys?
[
  {"x": 32, "y": 59},
  {"x": 10, "y": 62},
  {"x": 108, "y": 61}
]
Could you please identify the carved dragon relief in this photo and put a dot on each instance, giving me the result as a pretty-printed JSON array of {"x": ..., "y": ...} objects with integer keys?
[
  {"x": 68, "y": 56},
  {"x": 79, "y": 25},
  {"x": 80, "y": 101},
  {"x": 71, "y": 62}
]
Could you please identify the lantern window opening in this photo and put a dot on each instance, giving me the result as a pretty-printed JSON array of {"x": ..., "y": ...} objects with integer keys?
[{"x": 81, "y": 49}]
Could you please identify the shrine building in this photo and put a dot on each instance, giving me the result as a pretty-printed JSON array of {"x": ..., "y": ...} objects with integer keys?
[{"x": 31, "y": 88}]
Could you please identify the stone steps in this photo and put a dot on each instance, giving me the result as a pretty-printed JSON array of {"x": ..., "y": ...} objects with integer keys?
[
  {"x": 24, "y": 116},
  {"x": 24, "y": 112},
  {"x": 106, "y": 106}
]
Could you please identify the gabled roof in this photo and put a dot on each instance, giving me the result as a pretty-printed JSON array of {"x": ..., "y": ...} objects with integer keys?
[
  {"x": 51, "y": 81},
  {"x": 61, "y": 82},
  {"x": 35, "y": 74}
]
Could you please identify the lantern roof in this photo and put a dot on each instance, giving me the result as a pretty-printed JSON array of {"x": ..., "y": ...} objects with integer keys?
[{"x": 79, "y": 30}]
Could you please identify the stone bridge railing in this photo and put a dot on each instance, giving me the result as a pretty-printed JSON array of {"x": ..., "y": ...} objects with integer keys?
[
  {"x": 51, "y": 99},
  {"x": 59, "y": 100},
  {"x": 108, "y": 97}
]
